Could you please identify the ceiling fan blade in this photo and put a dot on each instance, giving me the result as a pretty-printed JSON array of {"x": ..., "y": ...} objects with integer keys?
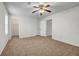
[
  {"x": 48, "y": 11},
  {"x": 35, "y": 7},
  {"x": 47, "y": 5},
  {"x": 34, "y": 11}
]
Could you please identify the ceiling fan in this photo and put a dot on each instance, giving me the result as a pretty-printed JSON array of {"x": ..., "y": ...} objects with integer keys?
[{"x": 41, "y": 8}]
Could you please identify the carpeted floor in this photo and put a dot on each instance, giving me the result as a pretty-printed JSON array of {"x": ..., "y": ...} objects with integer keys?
[{"x": 39, "y": 46}]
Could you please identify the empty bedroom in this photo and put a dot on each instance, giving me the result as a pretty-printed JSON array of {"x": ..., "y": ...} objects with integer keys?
[{"x": 39, "y": 28}]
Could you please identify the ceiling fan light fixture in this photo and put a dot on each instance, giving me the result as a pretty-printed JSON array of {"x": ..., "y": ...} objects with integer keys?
[
  {"x": 41, "y": 11},
  {"x": 42, "y": 8}
]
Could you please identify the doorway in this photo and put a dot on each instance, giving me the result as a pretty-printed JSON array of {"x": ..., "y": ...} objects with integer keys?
[
  {"x": 46, "y": 28},
  {"x": 49, "y": 28},
  {"x": 14, "y": 27}
]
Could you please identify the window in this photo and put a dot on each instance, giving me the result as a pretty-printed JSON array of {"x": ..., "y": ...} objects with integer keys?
[{"x": 6, "y": 24}]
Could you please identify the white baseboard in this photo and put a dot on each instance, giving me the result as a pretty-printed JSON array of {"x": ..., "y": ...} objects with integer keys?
[
  {"x": 67, "y": 42},
  {"x": 26, "y": 36}
]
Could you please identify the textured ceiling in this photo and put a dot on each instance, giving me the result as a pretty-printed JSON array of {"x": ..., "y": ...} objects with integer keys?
[{"x": 25, "y": 8}]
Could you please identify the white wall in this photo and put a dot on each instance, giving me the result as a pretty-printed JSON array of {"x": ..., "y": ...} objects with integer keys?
[
  {"x": 3, "y": 36},
  {"x": 28, "y": 27},
  {"x": 38, "y": 26},
  {"x": 65, "y": 26},
  {"x": 9, "y": 29}
]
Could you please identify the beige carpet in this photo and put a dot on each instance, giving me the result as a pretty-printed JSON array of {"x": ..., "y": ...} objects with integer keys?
[{"x": 38, "y": 46}]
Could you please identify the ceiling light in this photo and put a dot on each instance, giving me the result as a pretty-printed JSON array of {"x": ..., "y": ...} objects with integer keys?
[
  {"x": 41, "y": 11},
  {"x": 42, "y": 8}
]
